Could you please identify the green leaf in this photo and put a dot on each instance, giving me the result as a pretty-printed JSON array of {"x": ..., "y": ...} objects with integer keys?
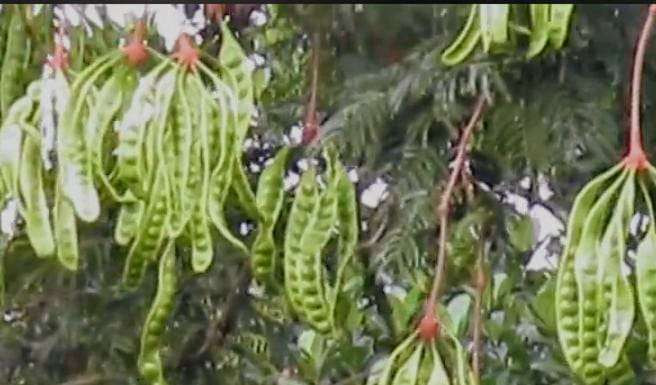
[
  {"x": 520, "y": 232},
  {"x": 459, "y": 309}
]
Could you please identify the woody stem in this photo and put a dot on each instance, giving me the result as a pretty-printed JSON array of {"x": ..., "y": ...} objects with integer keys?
[
  {"x": 443, "y": 208},
  {"x": 635, "y": 143}
]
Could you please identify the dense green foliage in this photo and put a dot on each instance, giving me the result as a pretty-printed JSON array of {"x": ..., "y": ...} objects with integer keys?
[{"x": 393, "y": 110}]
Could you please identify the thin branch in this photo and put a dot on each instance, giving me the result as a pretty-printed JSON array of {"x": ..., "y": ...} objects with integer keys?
[
  {"x": 636, "y": 152},
  {"x": 310, "y": 128},
  {"x": 91, "y": 379},
  {"x": 480, "y": 283},
  {"x": 220, "y": 327},
  {"x": 443, "y": 208}
]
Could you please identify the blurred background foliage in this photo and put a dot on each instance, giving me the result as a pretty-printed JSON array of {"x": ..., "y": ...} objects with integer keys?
[{"x": 394, "y": 110}]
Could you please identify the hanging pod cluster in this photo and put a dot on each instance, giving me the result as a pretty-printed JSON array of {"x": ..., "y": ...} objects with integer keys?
[
  {"x": 164, "y": 147},
  {"x": 316, "y": 216},
  {"x": 496, "y": 27},
  {"x": 428, "y": 361},
  {"x": 178, "y": 155},
  {"x": 594, "y": 299}
]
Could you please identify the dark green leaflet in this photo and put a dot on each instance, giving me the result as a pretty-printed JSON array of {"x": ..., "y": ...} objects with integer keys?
[
  {"x": 268, "y": 201},
  {"x": 12, "y": 60},
  {"x": 35, "y": 208},
  {"x": 566, "y": 298},
  {"x": 149, "y": 362},
  {"x": 466, "y": 40},
  {"x": 540, "y": 15},
  {"x": 494, "y": 24},
  {"x": 560, "y": 15},
  {"x": 256, "y": 343}
]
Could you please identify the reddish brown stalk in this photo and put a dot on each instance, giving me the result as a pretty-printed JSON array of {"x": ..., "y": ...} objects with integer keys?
[
  {"x": 311, "y": 127},
  {"x": 59, "y": 59},
  {"x": 214, "y": 12},
  {"x": 636, "y": 158},
  {"x": 186, "y": 55},
  {"x": 429, "y": 325},
  {"x": 135, "y": 52},
  {"x": 480, "y": 283}
]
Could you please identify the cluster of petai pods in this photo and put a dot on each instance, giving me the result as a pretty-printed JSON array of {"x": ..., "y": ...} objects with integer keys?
[
  {"x": 163, "y": 146},
  {"x": 427, "y": 361},
  {"x": 157, "y": 139},
  {"x": 494, "y": 25},
  {"x": 316, "y": 216},
  {"x": 594, "y": 299}
]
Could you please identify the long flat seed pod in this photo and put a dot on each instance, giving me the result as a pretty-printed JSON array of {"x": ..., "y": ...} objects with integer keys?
[
  {"x": 559, "y": 19},
  {"x": 12, "y": 60},
  {"x": 566, "y": 297},
  {"x": 389, "y": 366},
  {"x": 201, "y": 238},
  {"x": 35, "y": 212},
  {"x": 74, "y": 166},
  {"x": 466, "y": 41},
  {"x": 439, "y": 375},
  {"x": 299, "y": 217},
  {"x": 540, "y": 14},
  {"x": 645, "y": 271},
  {"x": 65, "y": 228},
  {"x": 409, "y": 370},
  {"x": 621, "y": 309},
  {"x": 268, "y": 201},
  {"x": 494, "y": 24},
  {"x": 585, "y": 273},
  {"x": 151, "y": 234},
  {"x": 149, "y": 361},
  {"x": 11, "y": 137}
]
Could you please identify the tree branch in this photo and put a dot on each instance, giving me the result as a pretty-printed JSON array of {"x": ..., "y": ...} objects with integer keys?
[
  {"x": 480, "y": 281},
  {"x": 443, "y": 207},
  {"x": 311, "y": 128},
  {"x": 636, "y": 158}
]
